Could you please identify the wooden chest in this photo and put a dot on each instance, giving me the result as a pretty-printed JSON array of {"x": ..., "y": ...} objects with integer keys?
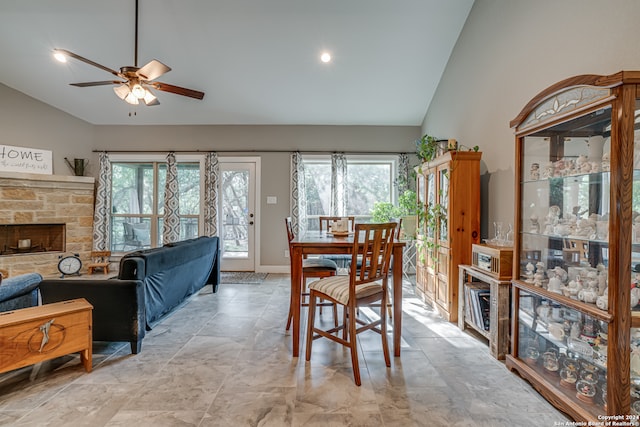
[
  {"x": 496, "y": 261},
  {"x": 35, "y": 334}
]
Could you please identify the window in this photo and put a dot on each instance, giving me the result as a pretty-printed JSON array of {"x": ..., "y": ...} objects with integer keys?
[
  {"x": 369, "y": 180},
  {"x": 137, "y": 201}
]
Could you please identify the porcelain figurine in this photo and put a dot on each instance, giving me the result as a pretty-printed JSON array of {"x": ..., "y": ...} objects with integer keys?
[
  {"x": 602, "y": 302},
  {"x": 555, "y": 285},
  {"x": 547, "y": 172},
  {"x": 569, "y": 167},
  {"x": 558, "y": 168},
  {"x": 583, "y": 165},
  {"x": 535, "y": 225},
  {"x": 587, "y": 295},
  {"x": 551, "y": 220},
  {"x": 602, "y": 282},
  {"x": 539, "y": 276},
  {"x": 561, "y": 274},
  {"x": 535, "y": 171},
  {"x": 530, "y": 271}
]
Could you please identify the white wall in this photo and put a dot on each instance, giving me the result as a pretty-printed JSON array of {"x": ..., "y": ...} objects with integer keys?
[
  {"x": 26, "y": 122},
  {"x": 509, "y": 51}
]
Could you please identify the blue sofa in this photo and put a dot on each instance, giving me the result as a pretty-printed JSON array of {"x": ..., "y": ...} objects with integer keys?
[
  {"x": 19, "y": 291},
  {"x": 150, "y": 284}
]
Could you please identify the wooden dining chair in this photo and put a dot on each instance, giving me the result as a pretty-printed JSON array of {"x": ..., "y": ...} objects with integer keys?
[
  {"x": 366, "y": 286},
  {"x": 311, "y": 268}
]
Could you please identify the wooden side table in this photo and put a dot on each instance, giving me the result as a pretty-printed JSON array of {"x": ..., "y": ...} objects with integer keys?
[
  {"x": 498, "y": 334},
  {"x": 32, "y": 335}
]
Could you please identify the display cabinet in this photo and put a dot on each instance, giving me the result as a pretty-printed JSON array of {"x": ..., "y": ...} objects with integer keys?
[
  {"x": 577, "y": 246},
  {"x": 449, "y": 189}
]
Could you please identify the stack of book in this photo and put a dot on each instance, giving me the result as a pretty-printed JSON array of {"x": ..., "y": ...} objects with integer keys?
[{"x": 478, "y": 306}]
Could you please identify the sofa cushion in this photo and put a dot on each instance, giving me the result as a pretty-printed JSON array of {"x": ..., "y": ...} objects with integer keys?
[{"x": 19, "y": 291}]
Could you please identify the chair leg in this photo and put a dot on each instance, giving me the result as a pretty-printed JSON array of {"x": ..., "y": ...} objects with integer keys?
[
  {"x": 345, "y": 314},
  {"x": 310, "y": 324},
  {"x": 289, "y": 319},
  {"x": 335, "y": 315},
  {"x": 353, "y": 344},
  {"x": 383, "y": 332}
]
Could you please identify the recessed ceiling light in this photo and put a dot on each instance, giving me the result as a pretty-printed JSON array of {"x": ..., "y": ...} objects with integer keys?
[{"x": 325, "y": 57}]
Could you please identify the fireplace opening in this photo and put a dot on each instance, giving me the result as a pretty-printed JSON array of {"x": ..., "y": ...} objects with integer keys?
[{"x": 31, "y": 238}]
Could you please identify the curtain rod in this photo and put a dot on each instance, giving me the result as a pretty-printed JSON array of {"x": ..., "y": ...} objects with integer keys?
[{"x": 254, "y": 151}]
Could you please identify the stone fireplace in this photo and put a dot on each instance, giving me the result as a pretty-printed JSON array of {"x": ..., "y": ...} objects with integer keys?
[{"x": 43, "y": 217}]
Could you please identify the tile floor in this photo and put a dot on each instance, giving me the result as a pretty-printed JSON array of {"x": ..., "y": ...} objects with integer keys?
[{"x": 224, "y": 359}]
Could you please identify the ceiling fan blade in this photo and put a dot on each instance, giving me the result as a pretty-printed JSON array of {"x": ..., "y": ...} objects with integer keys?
[
  {"x": 87, "y": 61},
  {"x": 177, "y": 90},
  {"x": 102, "y": 83},
  {"x": 152, "y": 70}
]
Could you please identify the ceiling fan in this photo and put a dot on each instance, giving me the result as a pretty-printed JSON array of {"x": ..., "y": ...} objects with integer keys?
[{"x": 137, "y": 81}]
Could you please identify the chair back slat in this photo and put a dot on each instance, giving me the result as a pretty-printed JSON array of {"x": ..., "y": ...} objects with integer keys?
[
  {"x": 289, "y": 225},
  {"x": 374, "y": 243}
]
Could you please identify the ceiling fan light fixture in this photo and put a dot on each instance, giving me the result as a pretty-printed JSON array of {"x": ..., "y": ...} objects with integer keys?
[
  {"x": 122, "y": 91},
  {"x": 138, "y": 91},
  {"x": 149, "y": 98},
  {"x": 131, "y": 99}
]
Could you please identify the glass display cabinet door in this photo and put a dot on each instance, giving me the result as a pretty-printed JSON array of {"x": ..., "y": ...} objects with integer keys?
[
  {"x": 565, "y": 186},
  {"x": 566, "y": 346},
  {"x": 565, "y": 192}
]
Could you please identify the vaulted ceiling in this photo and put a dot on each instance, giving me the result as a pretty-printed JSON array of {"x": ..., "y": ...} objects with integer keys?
[{"x": 258, "y": 61}]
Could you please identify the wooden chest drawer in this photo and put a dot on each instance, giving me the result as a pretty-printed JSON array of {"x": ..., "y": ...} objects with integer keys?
[{"x": 35, "y": 334}]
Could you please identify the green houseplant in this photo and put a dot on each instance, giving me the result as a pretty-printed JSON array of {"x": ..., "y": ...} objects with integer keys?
[{"x": 407, "y": 208}]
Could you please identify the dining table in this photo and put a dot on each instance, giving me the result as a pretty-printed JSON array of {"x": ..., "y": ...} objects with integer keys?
[{"x": 317, "y": 243}]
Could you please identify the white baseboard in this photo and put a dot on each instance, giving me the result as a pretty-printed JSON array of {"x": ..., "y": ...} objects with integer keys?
[{"x": 282, "y": 269}]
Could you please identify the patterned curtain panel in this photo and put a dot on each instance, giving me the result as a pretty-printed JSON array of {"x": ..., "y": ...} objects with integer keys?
[
  {"x": 298, "y": 194},
  {"x": 211, "y": 179},
  {"x": 171, "y": 228},
  {"x": 338, "y": 184},
  {"x": 102, "y": 213},
  {"x": 402, "y": 180}
]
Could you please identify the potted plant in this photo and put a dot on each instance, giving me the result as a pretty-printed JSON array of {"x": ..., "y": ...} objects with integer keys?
[
  {"x": 407, "y": 209},
  {"x": 383, "y": 212},
  {"x": 427, "y": 148}
]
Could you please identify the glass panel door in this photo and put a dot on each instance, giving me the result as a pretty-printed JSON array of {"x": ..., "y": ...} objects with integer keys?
[{"x": 237, "y": 215}]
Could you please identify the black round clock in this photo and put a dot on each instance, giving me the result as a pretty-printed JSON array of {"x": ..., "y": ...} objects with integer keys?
[{"x": 69, "y": 265}]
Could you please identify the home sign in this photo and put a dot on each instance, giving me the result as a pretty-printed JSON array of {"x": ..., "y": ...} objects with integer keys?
[{"x": 28, "y": 160}]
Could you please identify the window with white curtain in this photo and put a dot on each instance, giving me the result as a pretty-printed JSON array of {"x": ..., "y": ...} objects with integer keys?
[{"x": 369, "y": 180}]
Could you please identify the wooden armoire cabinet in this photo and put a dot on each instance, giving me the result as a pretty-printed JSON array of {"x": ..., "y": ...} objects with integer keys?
[{"x": 449, "y": 189}]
